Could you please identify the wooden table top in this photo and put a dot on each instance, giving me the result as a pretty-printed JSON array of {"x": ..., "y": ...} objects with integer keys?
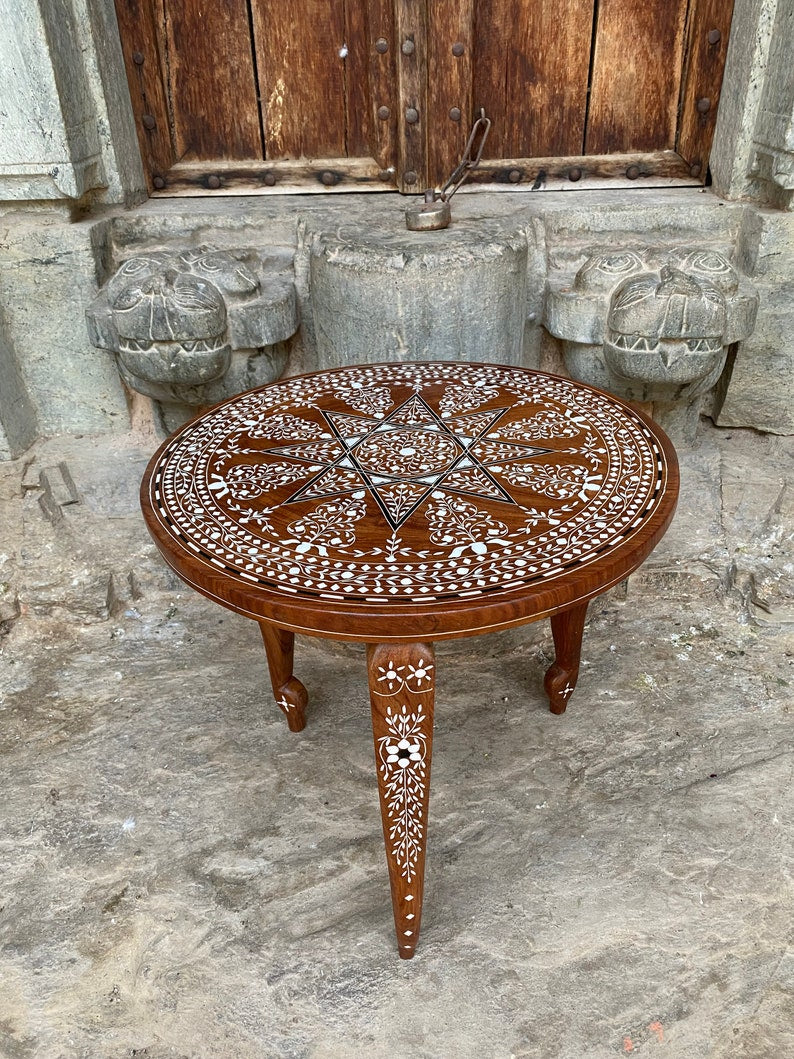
[{"x": 398, "y": 501}]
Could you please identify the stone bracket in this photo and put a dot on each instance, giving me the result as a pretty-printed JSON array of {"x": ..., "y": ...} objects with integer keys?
[
  {"x": 651, "y": 324},
  {"x": 196, "y": 325}
]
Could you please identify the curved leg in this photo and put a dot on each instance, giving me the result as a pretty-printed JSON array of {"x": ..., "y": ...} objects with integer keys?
[
  {"x": 560, "y": 680},
  {"x": 401, "y": 682},
  {"x": 289, "y": 693}
]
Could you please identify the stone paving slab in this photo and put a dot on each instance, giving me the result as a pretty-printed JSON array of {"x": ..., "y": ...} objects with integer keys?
[{"x": 181, "y": 876}]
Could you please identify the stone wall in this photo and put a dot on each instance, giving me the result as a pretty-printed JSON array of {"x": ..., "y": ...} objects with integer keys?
[{"x": 71, "y": 211}]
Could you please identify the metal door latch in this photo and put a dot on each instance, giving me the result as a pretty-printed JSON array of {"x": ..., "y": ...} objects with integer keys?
[{"x": 434, "y": 213}]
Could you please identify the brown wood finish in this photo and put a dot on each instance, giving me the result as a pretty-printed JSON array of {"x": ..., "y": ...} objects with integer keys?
[
  {"x": 369, "y": 618},
  {"x": 405, "y": 503},
  {"x": 188, "y": 178},
  {"x": 144, "y": 62},
  {"x": 636, "y": 169},
  {"x": 707, "y": 45},
  {"x": 531, "y": 70},
  {"x": 301, "y": 77},
  {"x": 401, "y": 688},
  {"x": 322, "y": 176},
  {"x": 636, "y": 73},
  {"x": 210, "y": 75},
  {"x": 382, "y": 49},
  {"x": 412, "y": 72},
  {"x": 450, "y": 45},
  {"x": 560, "y": 681},
  {"x": 336, "y": 83},
  {"x": 290, "y": 695}
]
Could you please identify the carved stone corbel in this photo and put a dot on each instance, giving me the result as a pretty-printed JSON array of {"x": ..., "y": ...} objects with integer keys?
[
  {"x": 192, "y": 327},
  {"x": 652, "y": 325}
]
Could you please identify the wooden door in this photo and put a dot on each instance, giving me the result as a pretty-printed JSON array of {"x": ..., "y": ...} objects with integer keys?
[{"x": 261, "y": 96}]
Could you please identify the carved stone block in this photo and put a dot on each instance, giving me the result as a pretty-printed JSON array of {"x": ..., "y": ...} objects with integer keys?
[
  {"x": 195, "y": 326},
  {"x": 652, "y": 325}
]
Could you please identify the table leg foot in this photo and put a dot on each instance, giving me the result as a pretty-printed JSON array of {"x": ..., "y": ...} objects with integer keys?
[
  {"x": 566, "y": 628},
  {"x": 401, "y": 685},
  {"x": 291, "y": 696}
]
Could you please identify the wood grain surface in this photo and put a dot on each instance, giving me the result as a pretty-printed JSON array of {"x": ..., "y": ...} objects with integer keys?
[
  {"x": 530, "y": 73},
  {"x": 402, "y": 688},
  {"x": 382, "y": 49},
  {"x": 394, "y": 85},
  {"x": 402, "y": 503},
  {"x": 412, "y": 73},
  {"x": 210, "y": 76},
  {"x": 450, "y": 85},
  {"x": 144, "y": 61},
  {"x": 636, "y": 73},
  {"x": 705, "y": 65}
]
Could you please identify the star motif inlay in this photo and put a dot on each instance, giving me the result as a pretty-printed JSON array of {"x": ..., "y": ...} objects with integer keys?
[{"x": 402, "y": 458}]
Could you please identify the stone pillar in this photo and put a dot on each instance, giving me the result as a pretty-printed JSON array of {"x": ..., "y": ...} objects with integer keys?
[
  {"x": 61, "y": 137},
  {"x": 774, "y": 131},
  {"x": 457, "y": 294},
  {"x": 67, "y": 142}
]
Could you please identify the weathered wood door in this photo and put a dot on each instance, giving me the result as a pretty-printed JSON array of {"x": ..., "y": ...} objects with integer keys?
[{"x": 242, "y": 96}]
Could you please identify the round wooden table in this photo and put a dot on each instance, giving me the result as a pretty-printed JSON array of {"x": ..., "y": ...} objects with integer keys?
[{"x": 398, "y": 504}]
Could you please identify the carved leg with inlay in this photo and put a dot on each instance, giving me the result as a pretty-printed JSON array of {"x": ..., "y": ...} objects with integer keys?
[
  {"x": 289, "y": 693},
  {"x": 560, "y": 680},
  {"x": 401, "y": 683}
]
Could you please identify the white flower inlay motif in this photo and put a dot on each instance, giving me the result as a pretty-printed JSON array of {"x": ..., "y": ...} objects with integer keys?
[
  {"x": 281, "y": 427},
  {"x": 467, "y": 395},
  {"x": 403, "y": 753},
  {"x": 548, "y": 424},
  {"x": 404, "y": 451},
  {"x": 329, "y": 525},
  {"x": 456, "y": 521},
  {"x": 372, "y": 400},
  {"x": 559, "y": 483},
  {"x": 421, "y": 673},
  {"x": 391, "y": 676},
  {"x": 248, "y": 481}
]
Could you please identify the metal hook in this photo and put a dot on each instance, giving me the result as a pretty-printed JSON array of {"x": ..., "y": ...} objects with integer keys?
[{"x": 435, "y": 212}]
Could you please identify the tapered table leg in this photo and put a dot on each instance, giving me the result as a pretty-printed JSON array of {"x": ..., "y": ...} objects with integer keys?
[
  {"x": 401, "y": 684},
  {"x": 289, "y": 693},
  {"x": 560, "y": 680}
]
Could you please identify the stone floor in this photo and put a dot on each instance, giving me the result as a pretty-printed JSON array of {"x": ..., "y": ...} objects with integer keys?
[{"x": 180, "y": 876}]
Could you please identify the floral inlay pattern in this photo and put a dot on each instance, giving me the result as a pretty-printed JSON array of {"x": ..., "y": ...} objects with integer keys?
[
  {"x": 406, "y": 452},
  {"x": 470, "y": 480},
  {"x": 402, "y": 753}
]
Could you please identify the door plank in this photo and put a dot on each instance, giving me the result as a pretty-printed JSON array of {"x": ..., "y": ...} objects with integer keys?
[
  {"x": 145, "y": 66},
  {"x": 705, "y": 64},
  {"x": 410, "y": 17},
  {"x": 493, "y": 24},
  {"x": 211, "y": 79},
  {"x": 301, "y": 77},
  {"x": 636, "y": 74},
  {"x": 449, "y": 89},
  {"x": 530, "y": 73},
  {"x": 359, "y": 115},
  {"x": 382, "y": 50}
]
